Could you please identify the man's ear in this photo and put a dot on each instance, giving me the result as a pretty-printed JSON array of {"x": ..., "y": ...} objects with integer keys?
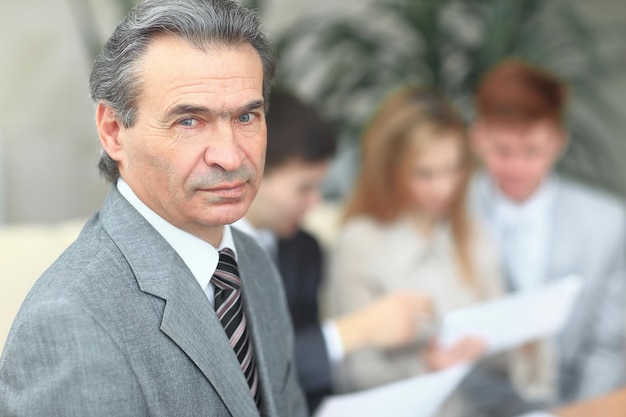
[
  {"x": 109, "y": 130},
  {"x": 563, "y": 143}
]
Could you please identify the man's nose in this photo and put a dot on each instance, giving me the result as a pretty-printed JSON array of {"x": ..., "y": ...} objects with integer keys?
[
  {"x": 515, "y": 165},
  {"x": 223, "y": 148}
]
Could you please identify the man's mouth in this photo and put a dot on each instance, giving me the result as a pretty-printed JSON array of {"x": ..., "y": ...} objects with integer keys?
[{"x": 233, "y": 190}]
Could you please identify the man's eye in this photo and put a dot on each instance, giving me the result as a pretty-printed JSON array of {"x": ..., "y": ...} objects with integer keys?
[
  {"x": 246, "y": 118},
  {"x": 189, "y": 122}
]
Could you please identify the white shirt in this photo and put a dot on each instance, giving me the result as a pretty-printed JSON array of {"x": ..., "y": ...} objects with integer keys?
[
  {"x": 200, "y": 256},
  {"x": 269, "y": 241},
  {"x": 523, "y": 230}
]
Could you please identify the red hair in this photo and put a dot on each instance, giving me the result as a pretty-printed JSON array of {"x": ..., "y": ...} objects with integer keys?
[{"x": 518, "y": 93}]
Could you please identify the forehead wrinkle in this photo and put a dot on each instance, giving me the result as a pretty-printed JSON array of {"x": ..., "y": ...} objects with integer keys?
[
  {"x": 198, "y": 92},
  {"x": 222, "y": 87},
  {"x": 212, "y": 91}
]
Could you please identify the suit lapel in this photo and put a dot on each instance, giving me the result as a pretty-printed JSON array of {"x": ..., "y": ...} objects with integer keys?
[
  {"x": 190, "y": 321},
  {"x": 562, "y": 262},
  {"x": 188, "y": 318},
  {"x": 562, "y": 259}
]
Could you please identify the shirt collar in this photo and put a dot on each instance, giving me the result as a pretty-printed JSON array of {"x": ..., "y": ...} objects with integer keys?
[
  {"x": 245, "y": 226},
  {"x": 200, "y": 256}
]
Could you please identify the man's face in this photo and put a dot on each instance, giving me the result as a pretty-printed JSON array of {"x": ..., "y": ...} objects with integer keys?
[
  {"x": 286, "y": 194},
  {"x": 196, "y": 152},
  {"x": 518, "y": 159}
]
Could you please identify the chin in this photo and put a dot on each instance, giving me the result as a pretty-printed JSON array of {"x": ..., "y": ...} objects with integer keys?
[
  {"x": 513, "y": 188},
  {"x": 517, "y": 194},
  {"x": 287, "y": 232},
  {"x": 439, "y": 209},
  {"x": 229, "y": 215}
]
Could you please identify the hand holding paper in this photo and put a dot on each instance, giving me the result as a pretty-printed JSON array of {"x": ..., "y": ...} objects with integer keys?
[
  {"x": 515, "y": 319},
  {"x": 465, "y": 350},
  {"x": 504, "y": 323}
]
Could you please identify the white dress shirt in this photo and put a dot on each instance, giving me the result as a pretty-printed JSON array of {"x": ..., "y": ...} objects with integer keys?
[
  {"x": 522, "y": 229},
  {"x": 200, "y": 256},
  {"x": 269, "y": 241},
  {"x": 524, "y": 232}
]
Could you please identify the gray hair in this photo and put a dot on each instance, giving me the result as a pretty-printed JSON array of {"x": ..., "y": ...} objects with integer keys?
[{"x": 202, "y": 23}]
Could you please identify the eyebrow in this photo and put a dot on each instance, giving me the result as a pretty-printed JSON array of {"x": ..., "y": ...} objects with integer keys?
[{"x": 186, "y": 109}]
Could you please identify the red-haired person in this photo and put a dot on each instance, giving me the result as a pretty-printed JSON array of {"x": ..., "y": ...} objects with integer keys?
[{"x": 549, "y": 227}]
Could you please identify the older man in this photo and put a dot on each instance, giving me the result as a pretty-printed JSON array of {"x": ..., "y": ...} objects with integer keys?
[{"x": 158, "y": 308}]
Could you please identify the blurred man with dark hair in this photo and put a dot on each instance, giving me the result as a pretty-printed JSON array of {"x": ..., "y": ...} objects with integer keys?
[
  {"x": 550, "y": 227},
  {"x": 299, "y": 148}
]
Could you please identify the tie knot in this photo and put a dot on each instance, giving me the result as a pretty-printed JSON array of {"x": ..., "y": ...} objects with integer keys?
[{"x": 226, "y": 276}]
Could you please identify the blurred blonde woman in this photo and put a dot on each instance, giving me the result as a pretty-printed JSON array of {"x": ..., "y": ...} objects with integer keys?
[{"x": 406, "y": 228}]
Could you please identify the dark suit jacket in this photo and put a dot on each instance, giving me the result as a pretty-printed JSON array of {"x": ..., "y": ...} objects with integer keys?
[
  {"x": 300, "y": 262},
  {"x": 118, "y": 326}
]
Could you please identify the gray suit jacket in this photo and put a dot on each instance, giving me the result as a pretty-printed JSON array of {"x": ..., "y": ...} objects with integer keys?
[
  {"x": 587, "y": 238},
  {"x": 118, "y": 326}
]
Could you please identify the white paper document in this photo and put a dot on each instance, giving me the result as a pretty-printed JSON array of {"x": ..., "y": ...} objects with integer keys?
[
  {"x": 414, "y": 397},
  {"x": 515, "y": 319},
  {"x": 506, "y": 322}
]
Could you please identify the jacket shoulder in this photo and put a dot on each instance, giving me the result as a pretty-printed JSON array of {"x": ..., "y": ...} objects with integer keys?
[{"x": 600, "y": 203}]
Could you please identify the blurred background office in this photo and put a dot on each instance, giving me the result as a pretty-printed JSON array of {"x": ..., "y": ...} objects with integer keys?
[{"x": 48, "y": 145}]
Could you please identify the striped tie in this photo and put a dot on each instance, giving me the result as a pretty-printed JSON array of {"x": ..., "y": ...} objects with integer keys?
[{"x": 230, "y": 313}]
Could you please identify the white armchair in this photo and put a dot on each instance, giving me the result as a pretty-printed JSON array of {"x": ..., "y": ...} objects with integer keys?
[{"x": 26, "y": 250}]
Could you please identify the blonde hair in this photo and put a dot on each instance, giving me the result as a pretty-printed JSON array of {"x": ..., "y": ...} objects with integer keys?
[{"x": 406, "y": 116}]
